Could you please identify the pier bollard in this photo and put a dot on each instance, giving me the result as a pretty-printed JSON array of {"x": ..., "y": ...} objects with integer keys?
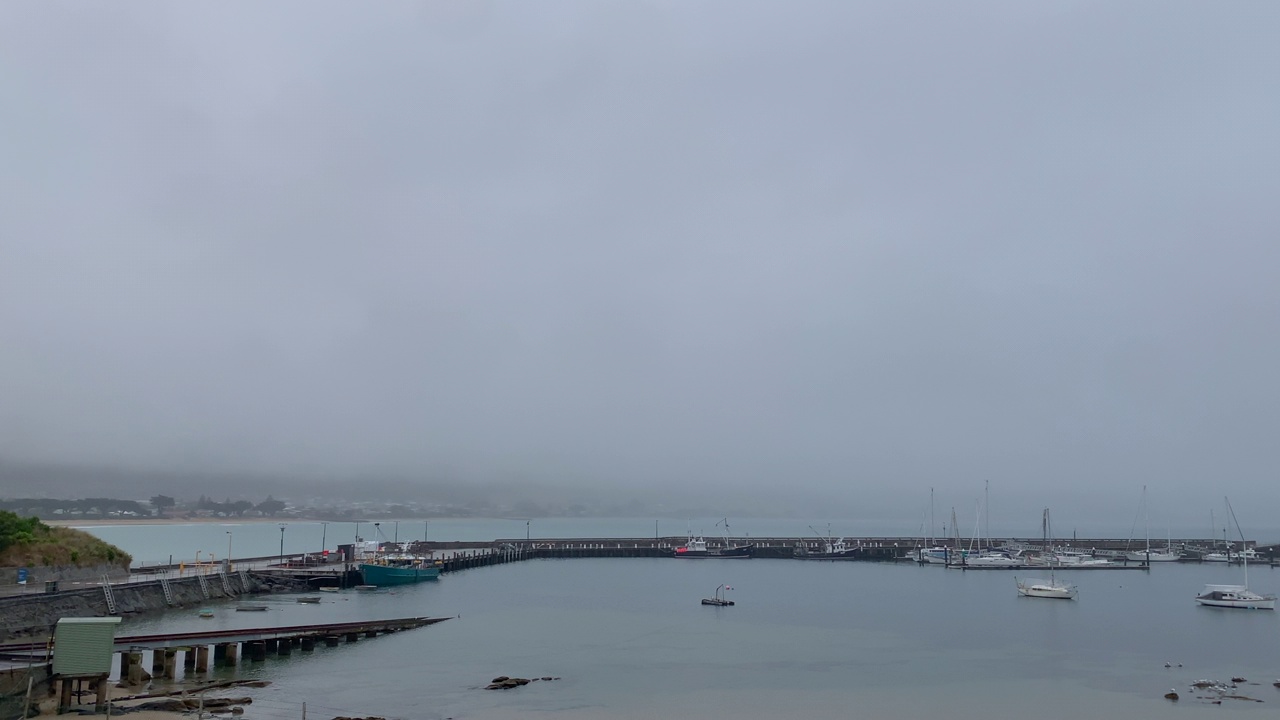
[
  {"x": 170, "y": 663},
  {"x": 331, "y": 640},
  {"x": 202, "y": 659},
  {"x": 352, "y": 637},
  {"x": 308, "y": 644},
  {"x": 233, "y": 651}
]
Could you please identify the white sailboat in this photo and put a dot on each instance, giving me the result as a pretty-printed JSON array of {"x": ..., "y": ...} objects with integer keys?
[
  {"x": 934, "y": 554},
  {"x": 1236, "y": 596},
  {"x": 1149, "y": 555},
  {"x": 1050, "y": 588}
]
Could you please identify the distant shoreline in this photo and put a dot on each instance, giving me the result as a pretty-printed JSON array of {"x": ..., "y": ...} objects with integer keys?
[{"x": 96, "y": 522}]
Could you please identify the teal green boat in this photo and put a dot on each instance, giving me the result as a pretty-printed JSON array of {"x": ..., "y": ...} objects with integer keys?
[{"x": 381, "y": 574}]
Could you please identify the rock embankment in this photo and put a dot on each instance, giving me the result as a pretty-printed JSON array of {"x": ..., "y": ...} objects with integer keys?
[{"x": 26, "y": 616}]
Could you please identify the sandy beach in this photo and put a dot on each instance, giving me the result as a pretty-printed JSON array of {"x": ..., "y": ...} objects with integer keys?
[{"x": 49, "y": 705}]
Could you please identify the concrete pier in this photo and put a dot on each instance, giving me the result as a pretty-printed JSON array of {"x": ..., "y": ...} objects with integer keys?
[
  {"x": 133, "y": 665},
  {"x": 202, "y": 659}
]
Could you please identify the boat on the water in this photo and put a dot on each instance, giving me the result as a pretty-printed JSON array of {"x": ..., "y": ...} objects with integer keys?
[
  {"x": 697, "y": 547},
  {"x": 1067, "y": 558},
  {"x": 329, "y": 588},
  {"x": 1147, "y": 555},
  {"x": 832, "y": 549},
  {"x": 1235, "y": 596},
  {"x": 1154, "y": 555},
  {"x": 251, "y": 608},
  {"x": 366, "y": 588},
  {"x": 391, "y": 563},
  {"x": 719, "y": 600},
  {"x": 1050, "y": 588},
  {"x": 939, "y": 555},
  {"x": 387, "y": 571},
  {"x": 206, "y": 613},
  {"x": 992, "y": 558},
  {"x": 1245, "y": 555},
  {"x": 309, "y": 600}
]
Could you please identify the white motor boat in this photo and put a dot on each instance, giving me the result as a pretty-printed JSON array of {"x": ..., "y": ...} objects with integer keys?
[
  {"x": 1235, "y": 596},
  {"x": 1246, "y": 555},
  {"x": 938, "y": 555}
]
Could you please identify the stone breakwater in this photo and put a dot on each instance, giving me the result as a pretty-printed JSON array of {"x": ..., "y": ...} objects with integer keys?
[{"x": 28, "y": 616}]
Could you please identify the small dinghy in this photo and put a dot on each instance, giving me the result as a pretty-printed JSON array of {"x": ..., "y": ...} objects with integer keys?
[
  {"x": 719, "y": 600},
  {"x": 251, "y": 608},
  {"x": 206, "y": 613},
  {"x": 312, "y": 600},
  {"x": 329, "y": 588}
]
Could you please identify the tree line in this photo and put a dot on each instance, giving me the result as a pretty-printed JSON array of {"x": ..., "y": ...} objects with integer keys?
[{"x": 157, "y": 506}]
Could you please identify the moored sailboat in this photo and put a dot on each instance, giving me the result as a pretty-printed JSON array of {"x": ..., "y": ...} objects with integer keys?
[
  {"x": 1050, "y": 588},
  {"x": 1236, "y": 596},
  {"x": 1147, "y": 554}
]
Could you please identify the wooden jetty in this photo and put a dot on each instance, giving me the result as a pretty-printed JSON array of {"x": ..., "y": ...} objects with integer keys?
[{"x": 227, "y": 645}]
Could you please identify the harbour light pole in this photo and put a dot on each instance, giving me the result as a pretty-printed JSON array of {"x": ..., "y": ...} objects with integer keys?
[
  {"x": 228, "y": 551},
  {"x": 281, "y": 544}
]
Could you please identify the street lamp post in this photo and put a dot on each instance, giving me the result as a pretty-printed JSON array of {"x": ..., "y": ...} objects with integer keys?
[
  {"x": 228, "y": 551},
  {"x": 281, "y": 544}
]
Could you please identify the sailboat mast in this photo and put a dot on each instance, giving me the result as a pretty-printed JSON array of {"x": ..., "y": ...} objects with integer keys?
[
  {"x": 1244, "y": 558},
  {"x": 933, "y": 524},
  {"x": 986, "y": 511},
  {"x": 1146, "y": 520}
]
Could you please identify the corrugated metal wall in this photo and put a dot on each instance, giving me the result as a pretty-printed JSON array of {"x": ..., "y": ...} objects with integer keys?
[{"x": 83, "y": 646}]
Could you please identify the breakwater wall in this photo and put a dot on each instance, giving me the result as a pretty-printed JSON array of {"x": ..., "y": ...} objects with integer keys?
[
  {"x": 34, "y": 615},
  {"x": 40, "y": 574}
]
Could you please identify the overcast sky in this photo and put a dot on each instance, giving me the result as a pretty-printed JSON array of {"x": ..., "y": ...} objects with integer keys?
[{"x": 835, "y": 246}]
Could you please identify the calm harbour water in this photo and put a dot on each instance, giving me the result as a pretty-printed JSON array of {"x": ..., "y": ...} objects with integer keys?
[{"x": 630, "y": 639}]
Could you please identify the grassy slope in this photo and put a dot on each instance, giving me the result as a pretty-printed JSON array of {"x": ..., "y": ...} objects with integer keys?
[{"x": 54, "y": 546}]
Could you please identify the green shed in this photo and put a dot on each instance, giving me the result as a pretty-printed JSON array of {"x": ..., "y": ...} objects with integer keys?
[{"x": 82, "y": 646}]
